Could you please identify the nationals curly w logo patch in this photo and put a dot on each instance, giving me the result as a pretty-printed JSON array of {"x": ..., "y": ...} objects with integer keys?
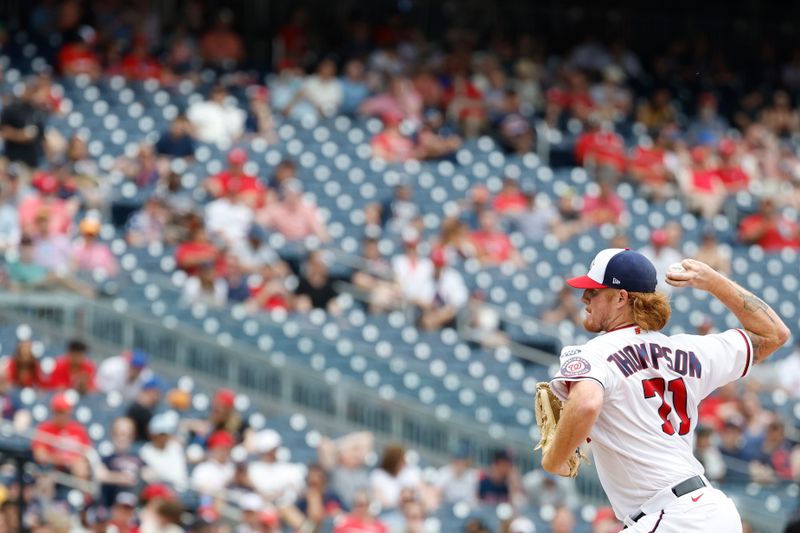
[{"x": 575, "y": 366}]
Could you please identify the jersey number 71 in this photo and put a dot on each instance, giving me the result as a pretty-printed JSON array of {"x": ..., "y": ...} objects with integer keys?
[{"x": 658, "y": 387}]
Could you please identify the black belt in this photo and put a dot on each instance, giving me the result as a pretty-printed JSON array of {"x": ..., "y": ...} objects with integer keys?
[{"x": 681, "y": 489}]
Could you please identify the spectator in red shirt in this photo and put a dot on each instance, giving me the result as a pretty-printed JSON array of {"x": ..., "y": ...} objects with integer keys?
[
  {"x": 733, "y": 177},
  {"x": 391, "y": 144},
  {"x": 74, "y": 369},
  {"x": 510, "y": 200},
  {"x": 269, "y": 292},
  {"x": 123, "y": 513},
  {"x": 190, "y": 255},
  {"x": 605, "y": 207},
  {"x": 23, "y": 367},
  {"x": 769, "y": 229},
  {"x": 400, "y": 99},
  {"x": 600, "y": 147},
  {"x": 647, "y": 167},
  {"x": 234, "y": 179},
  {"x": 360, "y": 519},
  {"x": 60, "y": 441},
  {"x": 220, "y": 46},
  {"x": 78, "y": 58},
  {"x": 701, "y": 184},
  {"x": 59, "y": 212},
  {"x": 492, "y": 245},
  {"x": 464, "y": 102},
  {"x": 139, "y": 64},
  {"x": 293, "y": 37}
]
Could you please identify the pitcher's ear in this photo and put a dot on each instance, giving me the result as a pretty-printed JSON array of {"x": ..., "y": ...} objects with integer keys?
[{"x": 623, "y": 296}]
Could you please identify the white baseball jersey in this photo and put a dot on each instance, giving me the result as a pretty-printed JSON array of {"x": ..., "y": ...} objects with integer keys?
[{"x": 643, "y": 439}]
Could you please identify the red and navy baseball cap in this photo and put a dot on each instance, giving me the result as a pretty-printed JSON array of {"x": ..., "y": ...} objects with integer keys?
[{"x": 618, "y": 268}]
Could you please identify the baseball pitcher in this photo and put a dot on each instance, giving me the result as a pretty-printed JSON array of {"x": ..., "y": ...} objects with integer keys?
[{"x": 633, "y": 392}]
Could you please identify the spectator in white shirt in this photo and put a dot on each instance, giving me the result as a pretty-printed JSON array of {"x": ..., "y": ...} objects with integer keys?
[
  {"x": 228, "y": 218},
  {"x": 392, "y": 476},
  {"x": 10, "y": 230},
  {"x": 544, "y": 489},
  {"x": 251, "y": 505},
  {"x": 662, "y": 255},
  {"x": 707, "y": 451},
  {"x": 277, "y": 482},
  {"x": 213, "y": 475},
  {"x": 124, "y": 373},
  {"x": 783, "y": 373},
  {"x": 254, "y": 252},
  {"x": 322, "y": 90},
  {"x": 412, "y": 272},
  {"x": 163, "y": 455},
  {"x": 458, "y": 480},
  {"x": 206, "y": 288},
  {"x": 217, "y": 120},
  {"x": 448, "y": 297}
]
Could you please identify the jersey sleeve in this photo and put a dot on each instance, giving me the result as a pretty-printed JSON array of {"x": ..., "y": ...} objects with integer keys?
[
  {"x": 579, "y": 363},
  {"x": 728, "y": 356}
]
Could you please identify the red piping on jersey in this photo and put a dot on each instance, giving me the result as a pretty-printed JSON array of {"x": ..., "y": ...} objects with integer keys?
[
  {"x": 747, "y": 342},
  {"x": 657, "y": 522},
  {"x": 621, "y": 327}
]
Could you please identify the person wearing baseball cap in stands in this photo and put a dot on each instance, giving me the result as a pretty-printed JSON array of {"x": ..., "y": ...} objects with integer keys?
[
  {"x": 269, "y": 521},
  {"x": 215, "y": 473},
  {"x": 447, "y": 297},
  {"x": 228, "y": 218},
  {"x": 125, "y": 373},
  {"x": 273, "y": 479},
  {"x": 492, "y": 244},
  {"x": 391, "y": 145},
  {"x": 361, "y": 518},
  {"x": 251, "y": 505},
  {"x": 235, "y": 180},
  {"x": 662, "y": 255},
  {"x": 123, "y": 513},
  {"x": 164, "y": 455},
  {"x": 59, "y": 211},
  {"x": 142, "y": 409},
  {"x": 60, "y": 441},
  {"x": 91, "y": 255},
  {"x": 221, "y": 417},
  {"x": 155, "y": 493},
  {"x": 413, "y": 273}
]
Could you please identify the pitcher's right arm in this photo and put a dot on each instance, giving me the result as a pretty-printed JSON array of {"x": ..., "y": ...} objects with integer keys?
[{"x": 765, "y": 328}]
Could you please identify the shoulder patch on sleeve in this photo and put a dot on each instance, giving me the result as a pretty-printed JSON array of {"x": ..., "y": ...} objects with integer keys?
[
  {"x": 575, "y": 366},
  {"x": 569, "y": 351}
]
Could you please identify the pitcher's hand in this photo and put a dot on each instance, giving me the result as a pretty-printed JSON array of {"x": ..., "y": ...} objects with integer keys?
[{"x": 695, "y": 274}]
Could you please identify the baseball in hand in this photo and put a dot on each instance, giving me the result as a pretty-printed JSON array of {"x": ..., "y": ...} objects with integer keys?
[{"x": 676, "y": 267}]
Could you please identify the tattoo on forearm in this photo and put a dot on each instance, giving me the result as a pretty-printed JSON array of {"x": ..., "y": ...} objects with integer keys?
[
  {"x": 758, "y": 346},
  {"x": 754, "y": 304}
]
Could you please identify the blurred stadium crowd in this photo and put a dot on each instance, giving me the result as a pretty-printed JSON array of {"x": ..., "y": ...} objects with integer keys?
[{"x": 726, "y": 147}]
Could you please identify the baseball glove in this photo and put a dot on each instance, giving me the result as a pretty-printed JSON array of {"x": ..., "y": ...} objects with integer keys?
[{"x": 548, "y": 412}]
